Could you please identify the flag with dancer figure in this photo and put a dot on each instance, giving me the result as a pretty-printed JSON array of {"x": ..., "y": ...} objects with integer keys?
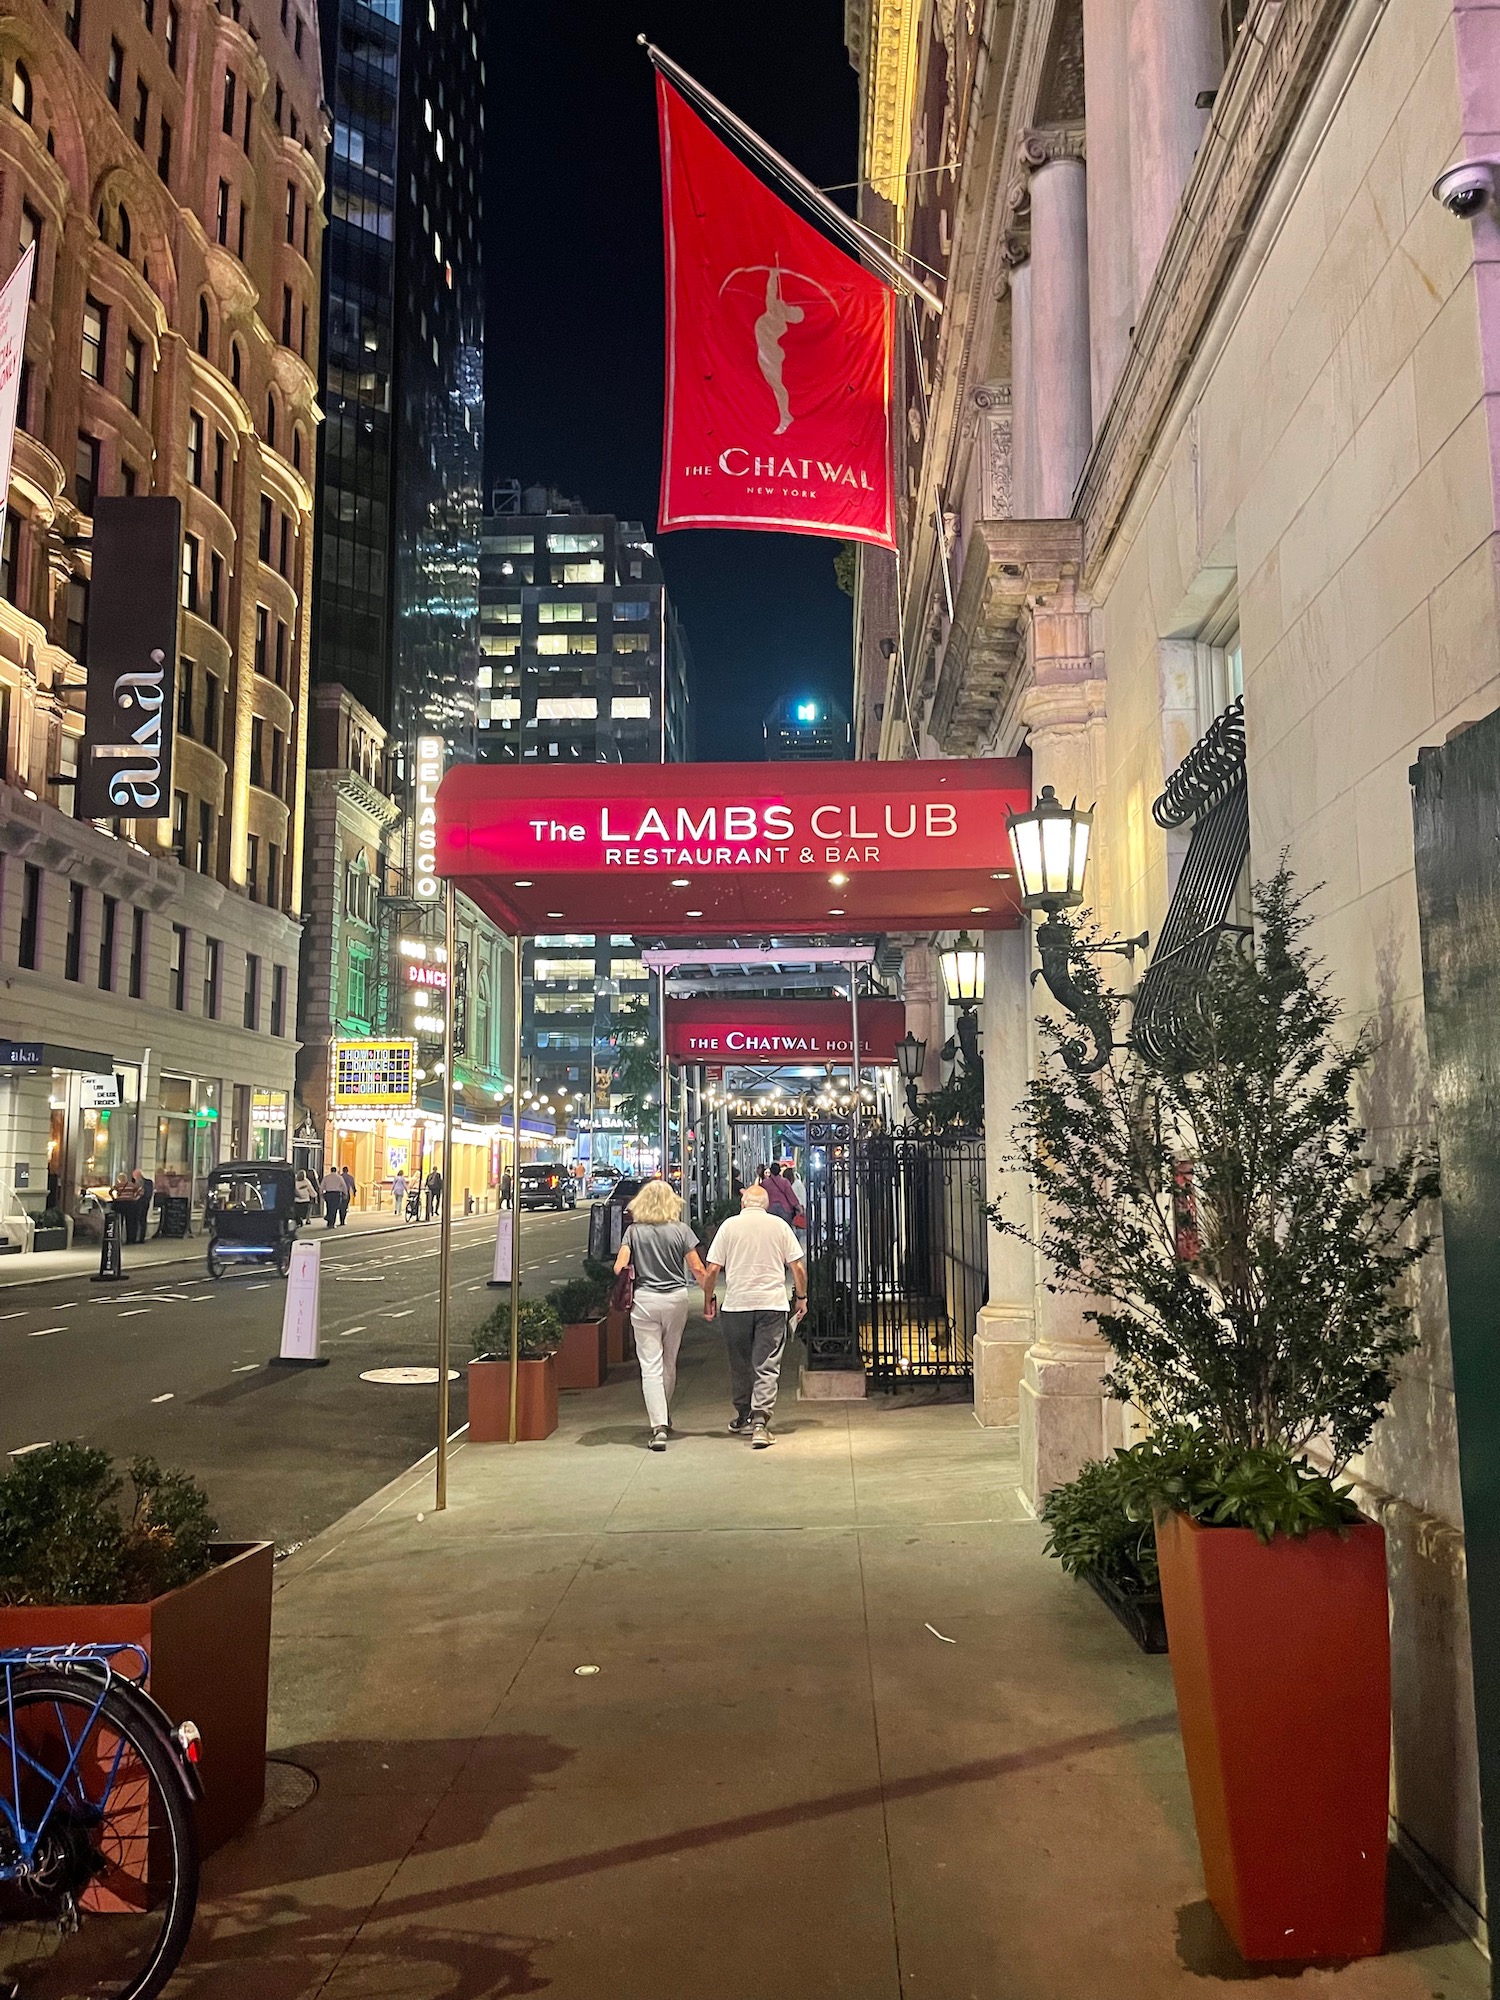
[{"x": 780, "y": 356}]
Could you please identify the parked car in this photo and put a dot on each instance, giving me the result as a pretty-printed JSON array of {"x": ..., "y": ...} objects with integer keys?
[
  {"x": 601, "y": 1183},
  {"x": 548, "y": 1184}
]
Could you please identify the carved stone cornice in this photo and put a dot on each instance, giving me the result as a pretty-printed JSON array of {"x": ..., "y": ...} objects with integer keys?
[
  {"x": 1256, "y": 110},
  {"x": 1008, "y": 566}
]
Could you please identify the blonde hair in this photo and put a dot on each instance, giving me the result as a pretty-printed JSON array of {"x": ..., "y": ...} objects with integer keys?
[
  {"x": 655, "y": 1203},
  {"x": 755, "y": 1197}
]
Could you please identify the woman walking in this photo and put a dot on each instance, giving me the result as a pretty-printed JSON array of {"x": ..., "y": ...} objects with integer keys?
[{"x": 664, "y": 1253}]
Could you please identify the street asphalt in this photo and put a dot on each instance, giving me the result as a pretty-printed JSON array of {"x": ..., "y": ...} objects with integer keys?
[{"x": 177, "y": 1365}]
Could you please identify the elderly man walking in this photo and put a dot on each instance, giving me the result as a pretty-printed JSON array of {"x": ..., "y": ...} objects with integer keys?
[{"x": 755, "y": 1250}]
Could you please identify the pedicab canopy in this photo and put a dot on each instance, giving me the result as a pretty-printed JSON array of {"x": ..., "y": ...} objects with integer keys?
[{"x": 674, "y": 850}]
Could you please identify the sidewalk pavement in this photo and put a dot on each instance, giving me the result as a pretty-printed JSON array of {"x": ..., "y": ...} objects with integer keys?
[
  {"x": 30, "y": 1267},
  {"x": 815, "y": 1721}
]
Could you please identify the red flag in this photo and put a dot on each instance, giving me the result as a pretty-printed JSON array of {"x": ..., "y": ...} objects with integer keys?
[{"x": 780, "y": 357}]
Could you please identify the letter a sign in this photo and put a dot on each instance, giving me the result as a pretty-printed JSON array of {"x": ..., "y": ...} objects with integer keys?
[{"x": 779, "y": 357}]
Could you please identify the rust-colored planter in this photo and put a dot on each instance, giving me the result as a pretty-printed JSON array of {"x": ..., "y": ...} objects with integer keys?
[
  {"x": 581, "y": 1360},
  {"x": 1281, "y": 1659},
  {"x": 489, "y": 1401},
  {"x": 620, "y": 1341},
  {"x": 210, "y": 1650}
]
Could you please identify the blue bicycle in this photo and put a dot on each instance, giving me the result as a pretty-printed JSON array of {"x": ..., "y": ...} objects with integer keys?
[{"x": 98, "y": 1848}]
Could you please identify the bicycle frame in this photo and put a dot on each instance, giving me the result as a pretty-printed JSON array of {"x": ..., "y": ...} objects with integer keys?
[{"x": 95, "y": 1661}]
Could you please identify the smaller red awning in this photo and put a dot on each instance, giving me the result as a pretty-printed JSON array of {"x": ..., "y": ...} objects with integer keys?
[
  {"x": 696, "y": 850},
  {"x": 761, "y": 1034}
]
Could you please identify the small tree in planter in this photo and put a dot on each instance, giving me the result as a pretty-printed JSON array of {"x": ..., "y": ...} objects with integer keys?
[
  {"x": 539, "y": 1335},
  {"x": 1245, "y": 1256},
  {"x": 81, "y": 1564},
  {"x": 580, "y": 1305}
]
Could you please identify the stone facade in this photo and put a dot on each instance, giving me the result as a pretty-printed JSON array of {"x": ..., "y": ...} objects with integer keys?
[
  {"x": 1290, "y": 486},
  {"x": 165, "y": 157}
]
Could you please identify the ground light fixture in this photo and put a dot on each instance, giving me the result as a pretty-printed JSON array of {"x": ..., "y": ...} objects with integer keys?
[{"x": 1050, "y": 845}]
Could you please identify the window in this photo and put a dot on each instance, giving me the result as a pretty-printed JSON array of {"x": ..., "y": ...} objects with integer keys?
[
  {"x": 31, "y": 233},
  {"x": 258, "y": 751},
  {"x": 142, "y": 110},
  {"x": 241, "y": 250},
  {"x": 630, "y": 708},
  {"x": 297, "y": 447},
  {"x": 297, "y": 37},
  {"x": 190, "y": 573},
  {"x": 508, "y": 545},
  {"x": 567, "y": 708},
  {"x": 211, "y": 710},
  {"x": 265, "y": 527},
  {"x": 234, "y": 357},
  {"x": 114, "y": 72},
  {"x": 625, "y": 612},
  {"x": 262, "y": 622},
  {"x": 132, "y": 374},
  {"x": 73, "y": 950},
  {"x": 558, "y": 611},
  {"x": 137, "y": 953},
  {"x": 177, "y": 968},
  {"x": 229, "y": 101},
  {"x": 179, "y": 827},
  {"x": 20, "y": 92},
  {"x": 281, "y": 652},
  {"x": 271, "y": 419},
  {"x": 86, "y": 472},
  {"x": 252, "y": 991},
  {"x": 127, "y": 479},
  {"x": 204, "y": 858},
  {"x": 212, "y": 952},
  {"x": 148, "y": 14},
  {"x": 8, "y": 549},
  {"x": 221, "y": 453},
  {"x": 286, "y": 315},
  {"x": 164, "y": 153},
  {"x": 278, "y": 999},
  {"x": 195, "y": 447},
  {"x": 108, "y": 913},
  {"x": 302, "y": 335},
  {"x": 283, "y": 560},
  {"x": 291, "y": 208},
  {"x": 174, "y": 23},
  {"x": 122, "y": 234},
  {"x": 204, "y": 326},
  {"x": 221, "y": 226},
  {"x": 31, "y": 914},
  {"x": 273, "y": 876},
  {"x": 1232, "y": 15},
  {"x": 78, "y": 616},
  {"x": 583, "y": 572},
  {"x": 278, "y": 753},
  {"x": 216, "y": 590},
  {"x": 248, "y": 106},
  {"x": 576, "y": 545},
  {"x": 252, "y": 866},
  {"x": 185, "y": 696},
  {"x": 73, "y": 21},
  {"x": 95, "y": 332}
]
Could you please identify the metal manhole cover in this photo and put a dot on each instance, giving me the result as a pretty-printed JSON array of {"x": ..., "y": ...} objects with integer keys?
[
  {"x": 404, "y": 1376},
  {"x": 289, "y": 1786}
]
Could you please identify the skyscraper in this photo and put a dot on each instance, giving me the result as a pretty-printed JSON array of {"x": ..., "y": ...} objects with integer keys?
[{"x": 806, "y": 726}]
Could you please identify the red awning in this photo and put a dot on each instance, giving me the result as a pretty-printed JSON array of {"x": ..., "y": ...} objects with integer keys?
[{"x": 674, "y": 850}]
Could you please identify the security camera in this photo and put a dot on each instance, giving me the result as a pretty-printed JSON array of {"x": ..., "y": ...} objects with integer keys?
[{"x": 1466, "y": 189}]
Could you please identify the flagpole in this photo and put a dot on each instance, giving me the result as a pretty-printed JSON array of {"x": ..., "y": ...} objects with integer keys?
[{"x": 867, "y": 244}]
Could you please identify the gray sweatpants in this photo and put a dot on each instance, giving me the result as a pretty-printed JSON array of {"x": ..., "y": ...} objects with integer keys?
[{"x": 754, "y": 1341}]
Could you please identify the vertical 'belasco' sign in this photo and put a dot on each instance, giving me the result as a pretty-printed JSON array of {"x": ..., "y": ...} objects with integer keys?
[
  {"x": 126, "y": 769},
  {"x": 780, "y": 352}
]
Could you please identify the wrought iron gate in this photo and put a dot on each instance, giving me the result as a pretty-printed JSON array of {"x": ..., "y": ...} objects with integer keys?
[{"x": 896, "y": 1255}]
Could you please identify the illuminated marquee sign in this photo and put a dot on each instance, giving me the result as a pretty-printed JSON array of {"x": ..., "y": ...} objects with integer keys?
[
  {"x": 761, "y": 1033},
  {"x": 427, "y": 975},
  {"x": 375, "y": 1072},
  {"x": 431, "y": 752}
]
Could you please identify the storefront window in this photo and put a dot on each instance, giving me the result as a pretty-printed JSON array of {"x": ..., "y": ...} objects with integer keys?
[
  {"x": 268, "y": 1123},
  {"x": 187, "y": 1135}
]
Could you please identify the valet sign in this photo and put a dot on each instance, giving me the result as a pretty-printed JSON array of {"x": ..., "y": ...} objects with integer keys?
[{"x": 430, "y": 756}]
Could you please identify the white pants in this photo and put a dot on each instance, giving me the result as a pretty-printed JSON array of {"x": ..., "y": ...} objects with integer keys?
[{"x": 657, "y": 1320}]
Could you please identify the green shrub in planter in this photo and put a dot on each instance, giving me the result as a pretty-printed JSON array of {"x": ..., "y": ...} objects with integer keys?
[
  {"x": 51, "y": 1218},
  {"x": 1092, "y": 1533},
  {"x": 539, "y": 1332},
  {"x": 579, "y": 1299},
  {"x": 1264, "y": 1488},
  {"x": 66, "y": 1539}
]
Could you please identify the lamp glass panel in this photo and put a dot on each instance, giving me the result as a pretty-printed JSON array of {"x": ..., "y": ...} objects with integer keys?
[
  {"x": 1057, "y": 855},
  {"x": 1081, "y": 830},
  {"x": 1026, "y": 846}
]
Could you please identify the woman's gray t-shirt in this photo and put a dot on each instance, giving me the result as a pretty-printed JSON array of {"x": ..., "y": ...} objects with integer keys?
[{"x": 658, "y": 1250}]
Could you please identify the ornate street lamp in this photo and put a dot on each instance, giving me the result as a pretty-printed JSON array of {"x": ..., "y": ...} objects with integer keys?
[
  {"x": 911, "y": 1060},
  {"x": 962, "y": 967},
  {"x": 1050, "y": 844}
]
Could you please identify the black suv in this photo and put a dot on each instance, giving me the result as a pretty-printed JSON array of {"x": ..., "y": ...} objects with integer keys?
[{"x": 546, "y": 1184}]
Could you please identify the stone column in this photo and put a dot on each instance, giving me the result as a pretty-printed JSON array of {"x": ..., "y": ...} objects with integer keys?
[
  {"x": 1111, "y": 260},
  {"x": 1173, "y": 55},
  {"x": 1022, "y": 402},
  {"x": 1065, "y": 1419},
  {"x": 1060, "y": 319},
  {"x": 1007, "y": 1322}
]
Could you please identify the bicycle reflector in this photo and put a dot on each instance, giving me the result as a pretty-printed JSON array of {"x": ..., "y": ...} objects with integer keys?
[{"x": 189, "y": 1741}]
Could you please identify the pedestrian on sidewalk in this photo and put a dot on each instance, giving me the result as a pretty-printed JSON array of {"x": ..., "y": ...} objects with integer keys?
[
  {"x": 335, "y": 1194},
  {"x": 663, "y": 1251},
  {"x": 398, "y": 1193},
  {"x": 432, "y": 1187},
  {"x": 351, "y": 1188},
  {"x": 306, "y": 1194},
  {"x": 755, "y": 1250}
]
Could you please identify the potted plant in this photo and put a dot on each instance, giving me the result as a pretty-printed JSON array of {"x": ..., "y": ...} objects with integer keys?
[
  {"x": 78, "y": 1566},
  {"x": 1246, "y": 1259},
  {"x": 51, "y": 1232},
  {"x": 1094, "y": 1536},
  {"x": 580, "y": 1304},
  {"x": 539, "y": 1335}
]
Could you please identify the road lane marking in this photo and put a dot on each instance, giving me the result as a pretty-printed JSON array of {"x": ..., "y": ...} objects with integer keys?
[
  {"x": 244, "y": 1368},
  {"x": 38, "y": 1331},
  {"x": 350, "y": 1329},
  {"x": 405, "y": 1313},
  {"x": 22, "y": 1449},
  {"x": 265, "y": 1286},
  {"x": 19, "y": 1315},
  {"x": 163, "y": 1399},
  {"x": 135, "y": 1312}
]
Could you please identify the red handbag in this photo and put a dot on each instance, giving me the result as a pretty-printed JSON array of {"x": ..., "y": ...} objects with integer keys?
[{"x": 622, "y": 1292}]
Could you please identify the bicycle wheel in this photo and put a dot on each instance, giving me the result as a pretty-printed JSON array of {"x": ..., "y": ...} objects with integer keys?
[{"x": 102, "y": 1908}]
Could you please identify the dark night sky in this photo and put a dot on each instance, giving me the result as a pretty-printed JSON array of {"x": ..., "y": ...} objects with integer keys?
[{"x": 573, "y": 340}]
